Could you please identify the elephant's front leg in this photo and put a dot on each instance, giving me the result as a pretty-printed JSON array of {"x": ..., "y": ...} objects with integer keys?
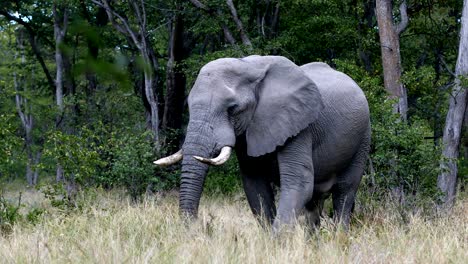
[
  {"x": 260, "y": 196},
  {"x": 296, "y": 178},
  {"x": 257, "y": 175}
]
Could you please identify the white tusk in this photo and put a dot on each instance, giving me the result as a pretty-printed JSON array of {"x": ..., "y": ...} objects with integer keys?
[
  {"x": 169, "y": 160},
  {"x": 222, "y": 157}
]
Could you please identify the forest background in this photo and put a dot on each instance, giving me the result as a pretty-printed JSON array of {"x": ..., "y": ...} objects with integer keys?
[{"x": 91, "y": 92}]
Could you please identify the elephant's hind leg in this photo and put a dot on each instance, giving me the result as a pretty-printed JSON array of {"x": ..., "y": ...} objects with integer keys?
[
  {"x": 345, "y": 189},
  {"x": 314, "y": 212}
]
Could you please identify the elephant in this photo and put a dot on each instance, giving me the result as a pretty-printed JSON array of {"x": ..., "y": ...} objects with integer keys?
[{"x": 304, "y": 129}]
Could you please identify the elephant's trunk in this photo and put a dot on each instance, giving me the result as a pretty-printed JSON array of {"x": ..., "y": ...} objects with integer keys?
[{"x": 192, "y": 178}]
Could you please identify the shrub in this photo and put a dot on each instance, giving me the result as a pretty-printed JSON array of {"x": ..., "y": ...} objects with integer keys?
[
  {"x": 79, "y": 154},
  {"x": 9, "y": 143},
  {"x": 10, "y": 214},
  {"x": 131, "y": 166},
  {"x": 223, "y": 180}
]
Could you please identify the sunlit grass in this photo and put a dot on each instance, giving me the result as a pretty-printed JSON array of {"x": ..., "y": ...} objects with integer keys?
[{"x": 109, "y": 229}]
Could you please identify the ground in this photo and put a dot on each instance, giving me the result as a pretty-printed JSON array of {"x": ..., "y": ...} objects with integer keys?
[{"x": 110, "y": 229}]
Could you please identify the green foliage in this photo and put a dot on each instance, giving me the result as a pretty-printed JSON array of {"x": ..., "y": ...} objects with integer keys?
[
  {"x": 103, "y": 158},
  {"x": 56, "y": 194},
  {"x": 323, "y": 30},
  {"x": 223, "y": 180},
  {"x": 131, "y": 166},
  {"x": 79, "y": 155},
  {"x": 402, "y": 157},
  {"x": 196, "y": 62},
  {"x": 427, "y": 93},
  {"x": 10, "y": 142},
  {"x": 10, "y": 214}
]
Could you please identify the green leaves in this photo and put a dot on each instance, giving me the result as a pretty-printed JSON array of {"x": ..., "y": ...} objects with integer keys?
[
  {"x": 131, "y": 166},
  {"x": 77, "y": 154},
  {"x": 9, "y": 142}
]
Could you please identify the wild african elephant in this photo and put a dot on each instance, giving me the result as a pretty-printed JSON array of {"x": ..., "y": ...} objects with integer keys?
[{"x": 303, "y": 128}]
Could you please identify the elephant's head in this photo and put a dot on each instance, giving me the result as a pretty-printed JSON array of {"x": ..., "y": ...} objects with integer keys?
[{"x": 269, "y": 99}]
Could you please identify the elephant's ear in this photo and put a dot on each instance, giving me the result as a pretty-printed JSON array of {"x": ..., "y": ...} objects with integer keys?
[{"x": 288, "y": 101}]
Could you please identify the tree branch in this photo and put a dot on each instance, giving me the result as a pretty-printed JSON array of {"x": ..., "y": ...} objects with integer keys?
[
  {"x": 274, "y": 21},
  {"x": 35, "y": 49},
  {"x": 244, "y": 37},
  {"x": 65, "y": 22},
  {"x": 218, "y": 13},
  {"x": 446, "y": 66},
  {"x": 124, "y": 28},
  {"x": 143, "y": 9},
  {"x": 199, "y": 5},
  {"x": 404, "y": 18},
  {"x": 19, "y": 103}
]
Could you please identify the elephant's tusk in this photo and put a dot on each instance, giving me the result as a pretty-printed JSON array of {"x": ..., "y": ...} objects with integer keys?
[
  {"x": 222, "y": 157},
  {"x": 169, "y": 160}
]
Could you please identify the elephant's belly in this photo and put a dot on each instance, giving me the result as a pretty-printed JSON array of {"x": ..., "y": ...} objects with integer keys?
[
  {"x": 324, "y": 185},
  {"x": 329, "y": 164}
]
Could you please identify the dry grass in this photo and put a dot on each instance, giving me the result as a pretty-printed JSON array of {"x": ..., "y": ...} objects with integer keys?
[{"x": 111, "y": 230}]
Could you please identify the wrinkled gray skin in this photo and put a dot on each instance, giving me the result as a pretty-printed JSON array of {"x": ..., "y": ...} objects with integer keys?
[{"x": 304, "y": 128}]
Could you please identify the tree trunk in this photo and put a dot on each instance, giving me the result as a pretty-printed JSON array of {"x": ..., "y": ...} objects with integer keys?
[
  {"x": 150, "y": 81},
  {"x": 245, "y": 39},
  {"x": 140, "y": 40},
  {"x": 37, "y": 159},
  {"x": 275, "y": 20},
  {"x": 93, "y": 47},
  {"x": 464, "y": 146},
  {"x": 390, "y": 47},
  {"x": 175, "y": 85},
  {"x": 27, "y": 121},
  {"x": 151, "y": 84},
  {"x": 60, "y": 29},
  {"x": 447, "y": 179},
  {"x": 365, "y": 24},
  {"x": 24, "y": 110}
]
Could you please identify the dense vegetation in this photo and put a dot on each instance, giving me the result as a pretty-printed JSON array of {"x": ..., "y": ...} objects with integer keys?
[{"x": 91, "y": 92}]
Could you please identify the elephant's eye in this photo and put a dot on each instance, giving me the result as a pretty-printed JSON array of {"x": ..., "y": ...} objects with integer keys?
[{"x": 233, "y": 109}]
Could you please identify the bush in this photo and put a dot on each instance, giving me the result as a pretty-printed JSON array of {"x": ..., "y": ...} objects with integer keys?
[
  {"x": 10, "y": 214},
  {"x": 9, "y": 143},
  {"x": 79, "y": 155},
  {"x": 223, "y": 180},
  {"x": 131, "y": 166}
]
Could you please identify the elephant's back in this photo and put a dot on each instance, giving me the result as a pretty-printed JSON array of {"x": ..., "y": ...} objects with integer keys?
[
  {"x": 343, "y": 124},
  {"x": 343, "y": 99},
  {"x": 333, "y": 84}
]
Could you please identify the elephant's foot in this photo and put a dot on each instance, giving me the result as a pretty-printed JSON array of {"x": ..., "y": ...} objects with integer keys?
[
  {"x": 289, "y": 206},
  {"x": 280, "y": 227}
]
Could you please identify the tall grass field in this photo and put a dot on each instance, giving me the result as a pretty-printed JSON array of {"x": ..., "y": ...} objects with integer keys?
[{"x": 108, "y": 228}]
